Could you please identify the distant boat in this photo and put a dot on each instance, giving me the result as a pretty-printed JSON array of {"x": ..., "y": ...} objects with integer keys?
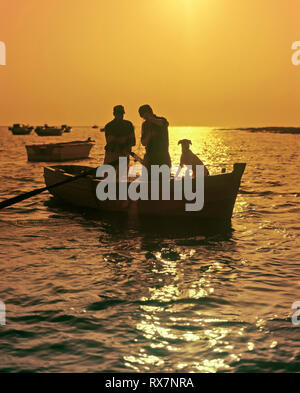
[
  {"x": 48, "y": 131},
  {"x": 18, "y": 129},
  {"x": 220, "y": 192},
  {"x": 66, "y": 128},
  {"x": 57, "y": 152},
  {"x": 95, "y": 126}
]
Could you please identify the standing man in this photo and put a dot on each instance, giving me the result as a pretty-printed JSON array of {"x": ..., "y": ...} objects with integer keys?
[
  {"x": 120, "y": 138},
  {"x": 155, "y": 137}
]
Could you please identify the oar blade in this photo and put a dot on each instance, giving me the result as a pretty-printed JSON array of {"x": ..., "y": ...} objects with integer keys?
[{"x": 21, "y": 197}]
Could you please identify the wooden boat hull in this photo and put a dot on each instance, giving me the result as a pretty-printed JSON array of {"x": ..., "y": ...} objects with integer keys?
[
  {"x": 220, "y": 193},
  {"x": 81, "y": 192},
  {"x": 51, "y": 131},
  {"x": 21, "y": 130},
  {"x": 58, "y": 152}
]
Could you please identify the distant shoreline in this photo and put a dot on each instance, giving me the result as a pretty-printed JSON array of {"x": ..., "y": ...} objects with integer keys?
[{"x": 278, "y": 130}]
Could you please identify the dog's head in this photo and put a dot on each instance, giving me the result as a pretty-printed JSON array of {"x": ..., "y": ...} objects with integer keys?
[{"x": 185, "y": 144}]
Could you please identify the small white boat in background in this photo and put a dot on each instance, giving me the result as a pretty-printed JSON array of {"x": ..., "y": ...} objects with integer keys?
[{"x": 58, "y": 152}]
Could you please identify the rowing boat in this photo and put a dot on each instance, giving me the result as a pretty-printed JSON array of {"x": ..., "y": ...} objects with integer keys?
[
  {"x": 57, "y": 152},
  {"x": 48, "y": 131},
  {"x": 18, "y": 129},
  {"x": 220, "y": 192}
]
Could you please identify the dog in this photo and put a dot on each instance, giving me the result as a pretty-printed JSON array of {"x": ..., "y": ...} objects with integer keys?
[{"x": 189, "y": 158}]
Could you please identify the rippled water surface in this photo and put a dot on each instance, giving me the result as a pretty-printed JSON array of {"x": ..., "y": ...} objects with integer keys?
[{"x": 90, "y": 293}]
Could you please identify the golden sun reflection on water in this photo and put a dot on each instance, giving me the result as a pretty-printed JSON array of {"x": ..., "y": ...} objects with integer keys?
[
  {"x": 184, "y": 302},
  {"x": 206, "y": 144},
  {"x": 168, "y": 332}
]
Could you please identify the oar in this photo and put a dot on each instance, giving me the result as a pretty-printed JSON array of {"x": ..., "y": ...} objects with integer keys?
[{"x": 27, "y": 195}]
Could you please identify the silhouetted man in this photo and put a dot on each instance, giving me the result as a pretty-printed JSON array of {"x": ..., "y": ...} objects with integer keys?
[
  {"x": 120, "y": 138},
  {"x": 155, "y": 137}
]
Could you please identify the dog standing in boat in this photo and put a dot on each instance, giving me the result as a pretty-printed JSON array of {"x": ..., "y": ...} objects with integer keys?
[{"x": 189, "y": 158}]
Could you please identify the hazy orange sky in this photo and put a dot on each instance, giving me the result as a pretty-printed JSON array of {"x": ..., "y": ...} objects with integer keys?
[{"x": 197, "y": 62}]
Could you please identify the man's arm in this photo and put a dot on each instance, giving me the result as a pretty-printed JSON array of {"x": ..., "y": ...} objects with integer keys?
[
  {"x": 132, "y": 140},
  {"x": 109, "y": 138},
  {"x": 146, "y": 135},
  {"x": 159, "y": 121}
]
